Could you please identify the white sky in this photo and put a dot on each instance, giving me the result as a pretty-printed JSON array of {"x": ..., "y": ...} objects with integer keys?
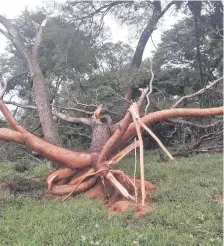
[{"x": 12, "y": 8}]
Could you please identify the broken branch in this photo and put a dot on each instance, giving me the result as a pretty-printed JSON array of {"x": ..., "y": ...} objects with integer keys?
[{"x": 135, "y": 115}]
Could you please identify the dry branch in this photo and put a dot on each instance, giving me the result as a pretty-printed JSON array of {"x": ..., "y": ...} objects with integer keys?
[
  {"x": 197, "y": 93},
  {"x": 135, "y": 115},
  {"x": 62, "y": 116},
  {"x": 73, "y": 119},
  {"x": 185, "y": 122},
  {"x": 150, "y": 87},
  {"x": 156, "y": 139},
  {"x": 123, "y": 153},
  {"x": 120, "y": 188}
]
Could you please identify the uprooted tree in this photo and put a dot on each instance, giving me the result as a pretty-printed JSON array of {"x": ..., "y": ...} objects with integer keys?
[{"x": 92, "y": 171}]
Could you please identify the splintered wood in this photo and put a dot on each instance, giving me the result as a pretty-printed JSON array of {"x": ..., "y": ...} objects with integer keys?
[
  {"x": 135, "y": 115},
  {"x": 138, "y": 124}
]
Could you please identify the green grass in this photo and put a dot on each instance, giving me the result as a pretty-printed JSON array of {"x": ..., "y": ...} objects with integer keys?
[{"x": 184, "y": 212}]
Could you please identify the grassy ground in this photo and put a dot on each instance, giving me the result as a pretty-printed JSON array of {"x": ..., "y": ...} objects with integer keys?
[{"x": 184, "y": 213}]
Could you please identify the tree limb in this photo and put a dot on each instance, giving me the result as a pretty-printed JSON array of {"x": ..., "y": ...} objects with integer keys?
[
  {"x": 82, "y": 120},
  {"x": 200, "y": 140},
  {"x": 20, "y": 105},
  {"x": 135, "y": 115},
  {"x": 69, "y": 158},
  {"x": 198, "y": 92},
  {"x": 73, "y": 119},
  {"x": 170, "y": 113},
  {"x": 75, "y": 109},
  {"x": 106, "y": 8},
  {"x": 185, "y": 122}
]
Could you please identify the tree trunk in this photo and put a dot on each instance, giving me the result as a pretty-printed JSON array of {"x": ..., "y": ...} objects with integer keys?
[
  {"x": 43, "y": 101},
  {"x": 146, "y": 34},
  {"x": 195, "y": 8},
  {"x": 100, "y": 135},
  {"x": 40, "y": 87}
]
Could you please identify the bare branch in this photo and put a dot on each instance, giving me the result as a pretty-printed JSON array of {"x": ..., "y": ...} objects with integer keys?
[
  {"x": 167, "y": 7},
  {"x": 5, "y": 33},
  {"x": 75, "y": 109},
  {"x": 211, "y": 84},
  {"x": 10, "y": 119},
  {"x": 106, "y": 8},
  {"x": 73, "y": 119},
  {"x": 185, "y": 122},
  {"x": 156, "y": 139},
  {"x": 96, "y": 114},
  {"x": 119, "y": 187},
  {"x": 200, "y": 140},
  {"x": 150, "y": 87},
  {"x": 20, "y": 105},
  {"x": 84, "y": 104},
  {"x": 82, "y": 120},
  {"x": 115, "y": 159}
]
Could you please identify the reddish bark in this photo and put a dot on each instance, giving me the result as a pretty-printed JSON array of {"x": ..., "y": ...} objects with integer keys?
[
  {"x": 170, "y": 113},
  {"x": 109, "y": 185}
]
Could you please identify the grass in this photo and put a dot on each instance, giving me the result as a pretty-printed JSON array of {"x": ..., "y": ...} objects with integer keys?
[{"x": 185, "y": 212}]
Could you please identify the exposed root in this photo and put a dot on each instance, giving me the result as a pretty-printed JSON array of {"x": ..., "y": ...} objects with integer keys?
[
  {"x": 119, "y": 187},
  {"x": 98, "y": 192},
  {"x": 68, "y": 188},
  {"x": 81, "y": 179},
  {"x": 115, "y": 202},
  {"x": 59, "y": 175},
  {"x": 80, "y": 175},
  {"x": 115, "y": 190}
]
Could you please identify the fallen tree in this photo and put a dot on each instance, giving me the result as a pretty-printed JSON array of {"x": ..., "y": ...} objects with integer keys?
[{"x": 92, "y": 172}]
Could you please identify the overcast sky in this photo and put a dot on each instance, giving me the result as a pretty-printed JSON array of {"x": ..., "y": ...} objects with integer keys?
[{"x": 12, "y": 8}]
